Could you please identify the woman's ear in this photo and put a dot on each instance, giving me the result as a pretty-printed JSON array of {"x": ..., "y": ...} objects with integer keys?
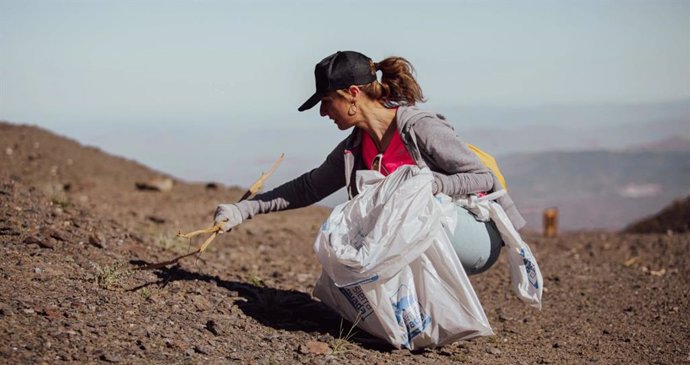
[{"x": 354, "y": 91}]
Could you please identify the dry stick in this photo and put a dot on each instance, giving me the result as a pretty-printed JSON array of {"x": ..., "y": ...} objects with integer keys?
[{"x": 218, "y": 228}]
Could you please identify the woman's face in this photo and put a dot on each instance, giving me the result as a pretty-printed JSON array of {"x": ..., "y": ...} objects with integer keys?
[{"x": 335, "y": 107}]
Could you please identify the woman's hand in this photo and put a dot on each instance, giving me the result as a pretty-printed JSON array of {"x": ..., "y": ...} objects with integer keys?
[{"x": 228, "y": 215}]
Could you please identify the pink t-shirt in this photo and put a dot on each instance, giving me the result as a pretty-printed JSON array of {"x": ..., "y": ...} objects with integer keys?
[{"x": 394, "y": 156}]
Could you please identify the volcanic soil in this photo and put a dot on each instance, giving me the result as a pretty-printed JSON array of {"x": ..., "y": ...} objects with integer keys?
[{"x": 74, "y": 227}]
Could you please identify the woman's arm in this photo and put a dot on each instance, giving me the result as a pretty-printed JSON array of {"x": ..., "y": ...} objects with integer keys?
[
  {"x": 302, "y": 191},
  {"x": 457, "y": 170}
]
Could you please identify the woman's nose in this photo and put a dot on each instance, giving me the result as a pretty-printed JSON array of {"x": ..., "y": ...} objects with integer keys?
[{"x": 322, "y": 110}]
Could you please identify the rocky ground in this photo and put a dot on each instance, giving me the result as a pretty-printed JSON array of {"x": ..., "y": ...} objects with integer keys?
[{"x": 74, "y": 228}]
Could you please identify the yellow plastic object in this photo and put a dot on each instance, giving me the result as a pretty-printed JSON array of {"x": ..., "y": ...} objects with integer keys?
[{"x": 490, "y": 162}]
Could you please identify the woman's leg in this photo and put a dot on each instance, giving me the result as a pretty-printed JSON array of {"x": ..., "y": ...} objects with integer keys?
[{"x": 476, "y": 243}]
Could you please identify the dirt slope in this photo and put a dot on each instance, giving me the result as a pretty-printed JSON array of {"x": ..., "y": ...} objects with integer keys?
[
  {"x": 673, "y": 218},
  {"x": 72, "y": 225}
]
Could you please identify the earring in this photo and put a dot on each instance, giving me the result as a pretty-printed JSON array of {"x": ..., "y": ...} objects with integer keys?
[{"x": 352, "y": 110}]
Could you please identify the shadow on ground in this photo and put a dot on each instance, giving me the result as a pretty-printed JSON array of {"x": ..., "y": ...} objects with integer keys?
[{"x": 289, "y": 310}]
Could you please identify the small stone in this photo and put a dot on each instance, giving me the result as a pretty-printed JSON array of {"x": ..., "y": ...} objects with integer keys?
[
  {"x": 49, "y": 312},
  {"x": 8, "y": 231},
  {"x": 31, "y": 240},
  {"x": 9, "y": 151},
  {"x": 303, "y": 278},
  {"x": 212, "y": 327},
  {"x": 201, "y": 303},
  {"x": 5, "y": 311},
  {"x": 445, "y": 353},
  {"x": 268, "y": 338},
  {"x": 314, "y": 347},
  {"x": 108, "y": 357},
  {"x": 97, "y": 240},
  {"x": 141, "y": 345},
  {"x": 660, "y": 272},
  {"x": 38, "y": 270},
  {"x": 630, "y": 311},
  {"x": 201, "y": 350},
  {"x": 493, "y": 351},
  {"x": 462, "y": 344},
  {"x": 165, "y": 184},
  {"x": 58, "y": 236},
  {"x": 155, "y": 219},
  {"x": 211, "y": 186}
]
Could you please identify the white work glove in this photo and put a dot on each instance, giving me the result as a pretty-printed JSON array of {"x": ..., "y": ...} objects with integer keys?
[{"x": 229, "y": 215}]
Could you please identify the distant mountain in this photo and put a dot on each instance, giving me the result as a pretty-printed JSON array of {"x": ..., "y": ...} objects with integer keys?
[
  {"x": 576, "y": 116},
  {"x": 596, "y": 189},
  {"x": 503, "y": 130},
  {"x": 671, "y": 144}
]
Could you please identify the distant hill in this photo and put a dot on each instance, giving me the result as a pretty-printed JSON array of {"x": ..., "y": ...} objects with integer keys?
[
  {"x": 34, "y": 155},
  {"x": 596, "y": 189},
  {"x": 670, "y": 144},
  {"x": 674, "y": 218},
  {"x": 71, "y": 174},
  {"x": 504, "y": 130}
]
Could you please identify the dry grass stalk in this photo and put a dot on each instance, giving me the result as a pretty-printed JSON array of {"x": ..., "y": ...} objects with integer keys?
[{"x": 218, "y": 228}]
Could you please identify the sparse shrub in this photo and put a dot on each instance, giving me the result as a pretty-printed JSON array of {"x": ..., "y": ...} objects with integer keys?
[
  {"x": 339, "y": 345},
  {"x": 60, "y": 201},
  {"x": 170, "y": 242},
  {"x": 111, "y": 275},
  {"x": 256, "y": 281}
]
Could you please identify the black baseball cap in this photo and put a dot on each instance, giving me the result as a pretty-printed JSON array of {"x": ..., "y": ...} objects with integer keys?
[{"x": 339, "y": 71}]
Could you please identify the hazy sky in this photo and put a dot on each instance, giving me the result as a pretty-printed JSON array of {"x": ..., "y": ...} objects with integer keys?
[
  {"x": 181, "y": 84},
  {"x": 70, "y": 61}
]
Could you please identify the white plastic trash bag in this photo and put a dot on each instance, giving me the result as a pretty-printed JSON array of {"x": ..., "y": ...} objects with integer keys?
[
  {"x": 525, "y": 276},
  {"x": 389, "y": 267}
]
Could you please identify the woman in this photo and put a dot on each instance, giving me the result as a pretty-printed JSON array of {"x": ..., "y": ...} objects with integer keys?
[{"x": 388, "y": 132}]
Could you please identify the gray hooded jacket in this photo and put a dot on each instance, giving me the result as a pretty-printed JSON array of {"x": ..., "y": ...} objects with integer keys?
[{"x": 430, "y": 140}]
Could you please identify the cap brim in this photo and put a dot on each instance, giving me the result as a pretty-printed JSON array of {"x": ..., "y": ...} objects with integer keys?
[{"x": 310, "y": 102}]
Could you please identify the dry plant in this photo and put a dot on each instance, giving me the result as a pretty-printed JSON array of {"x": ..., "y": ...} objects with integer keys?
[
  {"x": 255, "y": 280},
  {"x": 168, "y": 242},
  {"x": 339, "y": 345},
  {"x": 110, "y": 275},
  {"x": 145, "y": 293},
  {"x": 218, "y": 228}
]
